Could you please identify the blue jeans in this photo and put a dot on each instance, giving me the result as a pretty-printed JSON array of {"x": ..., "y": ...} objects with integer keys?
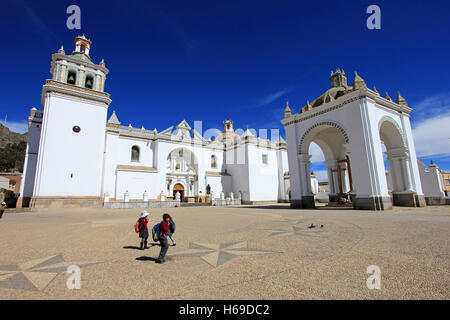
[{"x": 164, "y": 247}]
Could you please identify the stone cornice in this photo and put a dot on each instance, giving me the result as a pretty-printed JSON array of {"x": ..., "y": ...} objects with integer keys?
[
  {"x": 136, "y": 168},
  {"x": 72, "y": 90},
  {"x": 217, "y": 173},
  {"x": 58, "y": 56},
  {"x": 340, "y": 102}
]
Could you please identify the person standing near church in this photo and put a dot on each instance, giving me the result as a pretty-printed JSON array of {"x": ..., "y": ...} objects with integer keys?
[
  {"x": 164, "y": 229},
  {"x": 143, "y": 229},
  {"x": 2, "y": 209}
]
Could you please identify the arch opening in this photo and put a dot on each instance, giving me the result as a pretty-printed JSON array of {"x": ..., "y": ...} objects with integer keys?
[
  {"x": 135, "y": 153},
  {"x": 72, "y": 77},
  {"x": 326, "y": 147},
  {"x": 395, "y": 157},
  {"x": 89, "y": 82}
]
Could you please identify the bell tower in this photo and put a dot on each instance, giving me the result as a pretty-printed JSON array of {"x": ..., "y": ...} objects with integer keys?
[
  {"x": 72, "y": 139},
  {"x": 82, "y": 46},
  {"x": 228, "y": 126}
]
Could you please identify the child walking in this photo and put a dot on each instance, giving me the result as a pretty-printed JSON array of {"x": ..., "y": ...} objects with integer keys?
[
  {"x": 163, "y": 232},
  {"x": 143, "y": 229}
]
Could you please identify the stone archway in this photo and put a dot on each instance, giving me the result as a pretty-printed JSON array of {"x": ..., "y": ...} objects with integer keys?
[
  {"x": 333, "y": 140},
  {"x": 399, "y": 163},
  {"x": 358, "y": 121}
]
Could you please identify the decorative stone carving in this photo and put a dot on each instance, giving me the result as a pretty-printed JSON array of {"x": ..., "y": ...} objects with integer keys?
[
  {"x": 287, "y": 111},
  {"x": 400, "y": 100}
]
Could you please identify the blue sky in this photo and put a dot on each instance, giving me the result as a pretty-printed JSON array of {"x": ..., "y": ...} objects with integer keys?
[{"x": 240, "y": 60}]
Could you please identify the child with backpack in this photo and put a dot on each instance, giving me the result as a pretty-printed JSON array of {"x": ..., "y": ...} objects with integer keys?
[
  {"x": 141, "y": 227},
  {"x": 162, "y": 229}
]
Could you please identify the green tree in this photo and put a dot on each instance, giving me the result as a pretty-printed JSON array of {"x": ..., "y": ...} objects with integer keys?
[{"x": 12, "y": 156}]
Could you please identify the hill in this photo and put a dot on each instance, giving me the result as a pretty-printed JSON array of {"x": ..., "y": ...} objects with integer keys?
[
  {"x": 12, "y": 150},
  {"x": 8, "y": 136}
]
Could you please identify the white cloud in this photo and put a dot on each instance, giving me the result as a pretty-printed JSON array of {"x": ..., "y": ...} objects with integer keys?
[
  {"x": 432, "y": 136},
  {"x": 272, "y": 97},
  {"x": 16, "y": 126},
  {"x": 431, "y": 107}
]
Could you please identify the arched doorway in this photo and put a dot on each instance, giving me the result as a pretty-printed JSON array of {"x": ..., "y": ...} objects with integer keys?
[
  {"x": 397, "y": 162},
  {"x": 332, "y": 140},
  {"x": 178, "y": 188}
]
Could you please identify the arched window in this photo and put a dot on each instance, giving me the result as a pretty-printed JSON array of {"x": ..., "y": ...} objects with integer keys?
[
  {"x": 213, "y": 161},
  {"x": 89, "y": 83},
  {"x": 134, "y": 153},
  {"x": 82, "y": 48},
  {"x": 72, "y": 77}
]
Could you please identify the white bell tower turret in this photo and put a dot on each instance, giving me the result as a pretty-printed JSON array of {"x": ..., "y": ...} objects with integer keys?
[{"x": 71, "y": 148}]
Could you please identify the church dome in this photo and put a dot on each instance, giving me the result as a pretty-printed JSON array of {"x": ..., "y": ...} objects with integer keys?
[{"x": 330, "y": 95}]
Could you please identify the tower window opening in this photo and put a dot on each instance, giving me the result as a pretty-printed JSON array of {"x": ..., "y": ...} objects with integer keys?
[
  {"x": 89, "y": 83},
  {"x": 72, "y": 77},
  {"x": 82, "y": 48}
]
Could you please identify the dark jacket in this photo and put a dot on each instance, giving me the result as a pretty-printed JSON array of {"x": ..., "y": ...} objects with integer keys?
[{"x": 143, "y": 229}]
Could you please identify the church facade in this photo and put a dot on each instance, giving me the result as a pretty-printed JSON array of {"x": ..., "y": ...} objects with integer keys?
[{"x": 76, "y": 157}]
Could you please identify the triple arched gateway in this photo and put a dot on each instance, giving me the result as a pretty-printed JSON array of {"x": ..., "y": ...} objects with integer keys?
[{"x": 354, "y": 126}]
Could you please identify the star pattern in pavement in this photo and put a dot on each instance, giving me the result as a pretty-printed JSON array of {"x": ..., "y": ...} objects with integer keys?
[
  {"x": 219, "y": 254},
  {"x": 35, "y": 275}
]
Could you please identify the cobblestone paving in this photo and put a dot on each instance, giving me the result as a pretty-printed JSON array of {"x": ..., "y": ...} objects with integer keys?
[{"x": 263, "y": 252}]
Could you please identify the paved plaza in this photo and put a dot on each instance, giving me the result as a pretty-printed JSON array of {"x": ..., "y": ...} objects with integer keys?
[{"x": 258, "y": 252}]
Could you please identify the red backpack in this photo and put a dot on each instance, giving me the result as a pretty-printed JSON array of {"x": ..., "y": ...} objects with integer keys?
[{"x": 136, "y": 226}]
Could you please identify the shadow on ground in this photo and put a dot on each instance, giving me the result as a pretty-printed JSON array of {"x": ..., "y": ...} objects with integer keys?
[
  {"x": 139, "y": 248},
  {"x": 271, "y": 207},
  {"x": 143, "y": 258}
]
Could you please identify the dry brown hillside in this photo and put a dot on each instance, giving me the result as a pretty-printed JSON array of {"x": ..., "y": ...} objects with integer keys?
[{"x": 8, "y": 136}]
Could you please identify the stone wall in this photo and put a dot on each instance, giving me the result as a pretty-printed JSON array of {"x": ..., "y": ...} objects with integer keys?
[
  {"x": 225, "y": 202},
  {"x": 141, "y": 204}
]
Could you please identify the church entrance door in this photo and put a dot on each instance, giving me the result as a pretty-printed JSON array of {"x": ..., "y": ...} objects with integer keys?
[{"x": 178, "y": 188}]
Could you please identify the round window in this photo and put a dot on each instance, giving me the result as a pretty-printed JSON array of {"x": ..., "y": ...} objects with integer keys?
[{"x": 76, "y": 129}]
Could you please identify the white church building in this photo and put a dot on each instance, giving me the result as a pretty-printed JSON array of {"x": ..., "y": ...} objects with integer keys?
[{"x": 77, "y": 157}]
